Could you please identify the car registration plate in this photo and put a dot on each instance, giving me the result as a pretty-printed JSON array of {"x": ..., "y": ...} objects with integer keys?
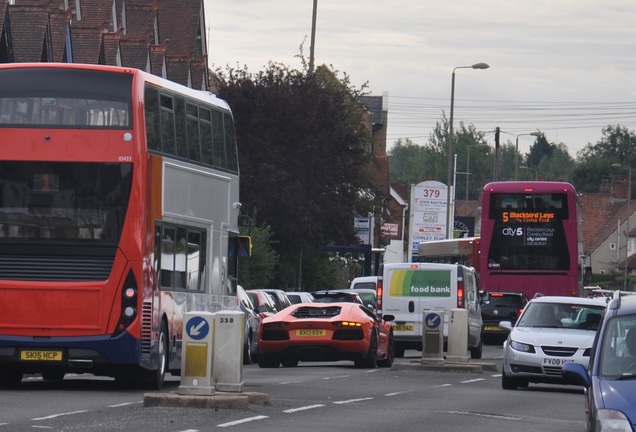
[
  {"x": 37, "y": 355},
  {"x": 491, "y": 328},
  {"x": 311, "y": 332},
  {"x": 408, "y": 327},
  {"x": 556, "y": 361}
]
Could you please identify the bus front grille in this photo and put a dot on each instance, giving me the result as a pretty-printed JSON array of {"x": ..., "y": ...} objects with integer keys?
[{"x": 55, "y": 268}]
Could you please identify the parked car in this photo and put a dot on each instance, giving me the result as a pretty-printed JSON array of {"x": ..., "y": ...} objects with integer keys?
[
  {"x": 610, "y": 377},
  {"x": 500, "y": 306},
  {"x": 326, "y": 332},
  {"x": 296, "y": 297},
  {"x": 336, "y": 296},
  {"x": 252, "y": 323},
  {"x": 551, "y": 331},
  {"x": 263, "y": 303},
  {"x": 278, "y": 296},
  {"x": 368, "y": 296}
]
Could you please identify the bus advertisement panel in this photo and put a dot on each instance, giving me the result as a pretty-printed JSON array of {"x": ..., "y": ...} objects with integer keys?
[
  {"x": 529, "y": 238},
  {"x": 118, "y": 214}
]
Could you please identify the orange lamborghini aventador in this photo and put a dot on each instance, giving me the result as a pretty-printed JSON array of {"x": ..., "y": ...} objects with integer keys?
[{"x": 314, "y": 332}]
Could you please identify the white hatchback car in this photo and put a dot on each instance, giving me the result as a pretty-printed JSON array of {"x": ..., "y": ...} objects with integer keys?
[{"x": 551, "y": 331}]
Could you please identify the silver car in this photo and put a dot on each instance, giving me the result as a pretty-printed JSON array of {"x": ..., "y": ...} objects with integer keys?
[{"x": 550, "y": 332}]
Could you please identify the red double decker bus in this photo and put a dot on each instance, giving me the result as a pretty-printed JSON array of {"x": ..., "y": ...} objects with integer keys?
[
  {"x": 119, "y": 200},
  {"x": 529, "y": 238}
]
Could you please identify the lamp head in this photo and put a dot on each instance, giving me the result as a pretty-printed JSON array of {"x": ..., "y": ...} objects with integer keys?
[{"x": 480, "y": 66}]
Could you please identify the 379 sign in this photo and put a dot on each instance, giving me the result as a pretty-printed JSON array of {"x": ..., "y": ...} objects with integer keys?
[{"x": 431, "y": 193}]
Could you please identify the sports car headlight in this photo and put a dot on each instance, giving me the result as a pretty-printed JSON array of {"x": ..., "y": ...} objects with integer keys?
[
  {"x": 612, "y": 420},
  {"x": 518, "y": 346}
]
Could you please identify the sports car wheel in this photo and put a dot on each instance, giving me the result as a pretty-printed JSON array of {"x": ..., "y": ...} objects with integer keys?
[
  {"x": 267, "y": 361},
  {"x": 289, "y": 363},
  {"x": 370, "y": 360},
  {"x": 390, "y": 354}
]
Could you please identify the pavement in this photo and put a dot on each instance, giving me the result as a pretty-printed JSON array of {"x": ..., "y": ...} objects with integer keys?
[{"x": 242, "y": 400}]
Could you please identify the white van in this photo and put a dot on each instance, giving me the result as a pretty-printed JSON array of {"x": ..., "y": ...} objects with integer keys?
[{"x": 406, "y": 290}]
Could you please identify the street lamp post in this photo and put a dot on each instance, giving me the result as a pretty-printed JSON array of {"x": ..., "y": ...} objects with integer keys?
[
  {"x": 449, "y": 216},
  {"x": 629, "y": 199},
  {"x": 536, "y": 171},
  {"x": 534, "y": 134}
]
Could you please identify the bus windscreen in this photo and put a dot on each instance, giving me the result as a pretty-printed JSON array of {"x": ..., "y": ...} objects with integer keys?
[
  {"x": 41, "y": 97},
  {"x": 528, "y": 232}
]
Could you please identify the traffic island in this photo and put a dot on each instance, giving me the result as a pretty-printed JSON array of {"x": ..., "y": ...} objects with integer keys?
[
  {"x": 219, "y": 400},
  {"x": 473, "y": 367}
]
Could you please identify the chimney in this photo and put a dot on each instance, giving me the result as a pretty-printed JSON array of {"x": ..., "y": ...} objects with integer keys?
[
  {"x": 605, "y": 186},
  {"x": 620, "y": 187}
]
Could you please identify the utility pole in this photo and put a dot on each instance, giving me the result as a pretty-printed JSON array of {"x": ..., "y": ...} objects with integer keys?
[{"x": 496, "y": 168}]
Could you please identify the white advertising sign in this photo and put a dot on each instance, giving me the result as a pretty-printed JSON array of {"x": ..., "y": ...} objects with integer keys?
[{"x": 428, "y": 214}]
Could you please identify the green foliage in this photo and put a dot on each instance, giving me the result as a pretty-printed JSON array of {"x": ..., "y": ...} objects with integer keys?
[
  {"x": 258, "y": 271},
  {"x": 303, "y": 153},
  {"x": 413, "y": 163}
]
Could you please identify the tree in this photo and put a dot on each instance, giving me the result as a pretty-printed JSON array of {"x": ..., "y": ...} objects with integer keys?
[
  {"x": 303, "y": 154},
  {"x": 617, "y": 145},
  {"x": 414, "y": 163},
  {"x": 258, "y": 270}
]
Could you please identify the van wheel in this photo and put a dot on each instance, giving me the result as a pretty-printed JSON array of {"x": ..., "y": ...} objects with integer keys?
[{"x": 475, "y": 353}]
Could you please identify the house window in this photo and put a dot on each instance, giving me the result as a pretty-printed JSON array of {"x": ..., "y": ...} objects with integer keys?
[{"x": 612, "y": 246}]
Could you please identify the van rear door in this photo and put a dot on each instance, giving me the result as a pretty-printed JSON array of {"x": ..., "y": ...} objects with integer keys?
[{"x": 410, "y": 288}]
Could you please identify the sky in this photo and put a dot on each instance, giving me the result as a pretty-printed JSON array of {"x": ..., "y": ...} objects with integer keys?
[{"x": 566, "y": 68}]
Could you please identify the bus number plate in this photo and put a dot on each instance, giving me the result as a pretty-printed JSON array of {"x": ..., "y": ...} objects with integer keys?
[{"x": 30, "y": 355}]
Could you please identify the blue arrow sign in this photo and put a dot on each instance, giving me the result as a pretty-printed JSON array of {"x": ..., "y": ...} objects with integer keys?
[
  {"x": 433, "y": 320},
  {"x": 197, "y": 328}
]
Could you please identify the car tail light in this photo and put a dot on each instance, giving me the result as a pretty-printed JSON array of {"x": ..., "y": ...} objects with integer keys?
[
  {"x": 460, "y": 294},
  {"x": 379, "y": 291},
  {"x": 347, "y": 324}
]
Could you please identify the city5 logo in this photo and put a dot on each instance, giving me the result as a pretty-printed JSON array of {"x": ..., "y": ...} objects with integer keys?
[{"x": 509, "y": 231}]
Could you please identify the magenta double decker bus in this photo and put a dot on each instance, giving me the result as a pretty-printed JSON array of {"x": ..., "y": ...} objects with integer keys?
[{"x": 529, "y": 238}]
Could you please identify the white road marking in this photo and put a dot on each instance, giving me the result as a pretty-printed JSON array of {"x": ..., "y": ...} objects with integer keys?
[
  {"x": 353, "y": 400},
  {"x": 124, "y": 404},
  {"x": 245, "y": 420},
  {"x": 398, "y": 393},
  {"x": 58, "y": 415},
  {"x": 472, "y": 380},
  {"x": 308, "y": 407}
]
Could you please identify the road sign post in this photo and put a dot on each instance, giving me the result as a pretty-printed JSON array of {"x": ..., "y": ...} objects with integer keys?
[
  {"x": 197, "y": 354},
  {"x": 433, "y": 337}
]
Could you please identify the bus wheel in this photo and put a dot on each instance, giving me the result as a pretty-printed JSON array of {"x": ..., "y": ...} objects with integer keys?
[
  {"x": 153, "y": 380},
  {"x": 10, "y": 378}
]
